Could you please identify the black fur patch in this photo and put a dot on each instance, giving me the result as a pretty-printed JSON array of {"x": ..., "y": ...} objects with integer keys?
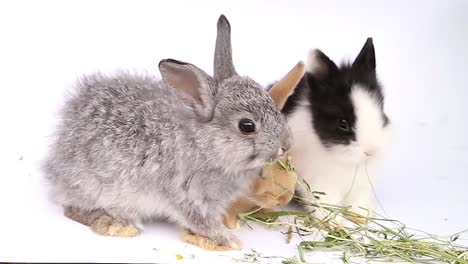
[{"x": 328, "y": 93}]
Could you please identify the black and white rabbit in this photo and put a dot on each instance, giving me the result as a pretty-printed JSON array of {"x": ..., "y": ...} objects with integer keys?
[{"x": 339, "y": 127}]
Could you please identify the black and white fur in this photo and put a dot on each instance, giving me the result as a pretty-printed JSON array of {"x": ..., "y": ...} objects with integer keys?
[{"x": 339, "y": 127}]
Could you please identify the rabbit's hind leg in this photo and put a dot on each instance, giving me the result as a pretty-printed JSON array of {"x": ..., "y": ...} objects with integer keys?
[
  {"x": 102, "y": 222},
  {"x": 85, "y": 217}
]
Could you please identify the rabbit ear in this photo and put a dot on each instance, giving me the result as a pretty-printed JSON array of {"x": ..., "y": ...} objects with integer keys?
[
  {"x": 319, "y": 65},
  {"x": 285, "y": 87},
  {"x": 223, "y": 65},
  {"x": 366, "y": 58},
  {"x": 190, "y": 82}
]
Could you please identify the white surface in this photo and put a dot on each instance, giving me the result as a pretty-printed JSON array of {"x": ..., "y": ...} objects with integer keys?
[{"x": 422, "y": 59}]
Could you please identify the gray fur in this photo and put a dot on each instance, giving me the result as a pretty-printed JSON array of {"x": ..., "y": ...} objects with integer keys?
[
  {"x": 140, "y": 148},
  {"x": 223, "y": 64}
]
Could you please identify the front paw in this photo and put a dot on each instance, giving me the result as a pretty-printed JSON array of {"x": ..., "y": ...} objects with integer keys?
[
  {"x": 231, "y": 221},
  {"x": 215, "y": 242},
  {"x": 228, "y": 240}
]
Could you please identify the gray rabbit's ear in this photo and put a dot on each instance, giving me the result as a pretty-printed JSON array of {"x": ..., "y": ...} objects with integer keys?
[
  {"x": 223, "y": 65},
  {"x": 192, "y": 84}
]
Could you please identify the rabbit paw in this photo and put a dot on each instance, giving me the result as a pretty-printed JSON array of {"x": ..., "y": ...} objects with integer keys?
[
  {"x": 218, "y": 243},
  {"x": 82, "y": 216},
  {"x": 231, "y": 222},
  {"x": 107, "y": 226}
]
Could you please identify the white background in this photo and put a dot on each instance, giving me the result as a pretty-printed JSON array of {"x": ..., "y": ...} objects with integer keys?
[{"x": 422, "y": 55}]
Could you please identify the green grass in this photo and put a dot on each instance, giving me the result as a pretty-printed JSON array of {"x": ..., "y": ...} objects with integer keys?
[{"x": 380, "y": 239}]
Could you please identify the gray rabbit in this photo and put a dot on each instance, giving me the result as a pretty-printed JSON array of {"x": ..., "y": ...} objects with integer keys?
[{"x": 132, "y": 148}]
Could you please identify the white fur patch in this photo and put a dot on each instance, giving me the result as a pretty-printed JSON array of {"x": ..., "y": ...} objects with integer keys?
[
  {"x": 370, "y": 133},
  {"x": 342, "y": 172}
]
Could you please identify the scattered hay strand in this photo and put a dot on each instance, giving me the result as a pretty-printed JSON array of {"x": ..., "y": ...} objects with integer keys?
[{"x": 379, "y": 239}]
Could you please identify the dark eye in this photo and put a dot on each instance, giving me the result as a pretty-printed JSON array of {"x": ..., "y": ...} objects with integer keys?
[
  {"x": 343, "y": 125},
  {"x": 247, "y": 126}
]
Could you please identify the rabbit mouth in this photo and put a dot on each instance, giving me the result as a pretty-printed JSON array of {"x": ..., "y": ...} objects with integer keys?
[
  {"x": 255, "y": 160},
  {"x": 259, "y": 160},
  {"x": 252, "y": 159}
]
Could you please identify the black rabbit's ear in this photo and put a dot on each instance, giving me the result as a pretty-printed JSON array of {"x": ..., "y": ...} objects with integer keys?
[
  {"x": 366, "y": 58},
  {"x": 319, "y": 65},
  {"x": 192, "y": 84}
]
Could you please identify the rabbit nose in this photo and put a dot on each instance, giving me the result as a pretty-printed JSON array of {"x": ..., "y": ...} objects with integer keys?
[
  {"x": 370, "y": 151},
  {"x": 285, "y": 146},
  {"x": 281, "y": 151},
  {"x": 286, "y": 143},
  {"x": 286, "y": 140}
]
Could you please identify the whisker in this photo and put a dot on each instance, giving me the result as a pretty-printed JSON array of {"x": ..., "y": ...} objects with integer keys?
[
  {"x": 352, "y": 185},
  {"x": 375, "y": 193}
]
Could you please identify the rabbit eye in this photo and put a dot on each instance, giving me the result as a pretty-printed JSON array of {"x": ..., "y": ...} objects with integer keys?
[
  {"x": 343, "y": 125},
  {"x": 247, "y": 126}
]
